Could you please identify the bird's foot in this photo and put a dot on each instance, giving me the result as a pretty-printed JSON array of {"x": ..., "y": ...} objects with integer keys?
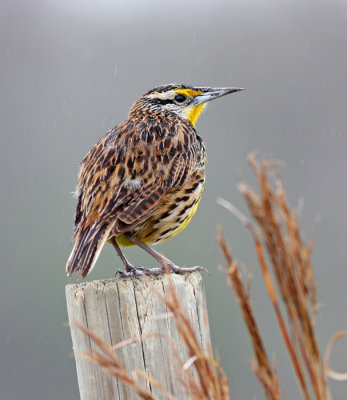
[
  {"x": 183, "y": 270},
  {"x": 175, "y": 269},
  {"x": 131, "y": 271}
]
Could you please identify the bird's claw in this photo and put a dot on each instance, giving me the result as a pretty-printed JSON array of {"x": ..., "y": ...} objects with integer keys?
[{"x": 132, "y": 271}]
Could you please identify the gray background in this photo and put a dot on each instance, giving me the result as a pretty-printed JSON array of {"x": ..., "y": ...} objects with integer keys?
[{"x": 70, "y": 71}]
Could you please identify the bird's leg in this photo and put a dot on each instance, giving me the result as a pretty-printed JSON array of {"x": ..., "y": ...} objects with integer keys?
[
  {"x": 129, "y": 269},
  {"x": 165, "y": 262}
]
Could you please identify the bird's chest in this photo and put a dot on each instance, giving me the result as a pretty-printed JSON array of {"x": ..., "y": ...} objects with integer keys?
[{"x": 176, "y": 211}]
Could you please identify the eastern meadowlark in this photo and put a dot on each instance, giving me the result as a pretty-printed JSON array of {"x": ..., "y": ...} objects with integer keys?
[{"x": 141, "y": 183}]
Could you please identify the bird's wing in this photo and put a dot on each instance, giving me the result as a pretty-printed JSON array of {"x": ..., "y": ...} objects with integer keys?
[{"x": 125, "y": 174}]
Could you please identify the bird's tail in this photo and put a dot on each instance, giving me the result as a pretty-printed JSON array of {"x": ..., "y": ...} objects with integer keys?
[{"x": 88, "y": 245}]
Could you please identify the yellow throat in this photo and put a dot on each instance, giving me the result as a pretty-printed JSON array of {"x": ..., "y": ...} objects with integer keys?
[{"x": 192, "y": 111}]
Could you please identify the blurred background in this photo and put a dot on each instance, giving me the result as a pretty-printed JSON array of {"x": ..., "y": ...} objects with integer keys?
[{"x": 70, "y": 70}]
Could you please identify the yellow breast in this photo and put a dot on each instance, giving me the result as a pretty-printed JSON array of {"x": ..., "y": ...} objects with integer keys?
[{"x": 173, "y": 215}]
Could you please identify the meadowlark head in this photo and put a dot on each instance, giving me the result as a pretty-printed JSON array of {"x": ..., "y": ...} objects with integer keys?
[{"x": 179, "y": 101}]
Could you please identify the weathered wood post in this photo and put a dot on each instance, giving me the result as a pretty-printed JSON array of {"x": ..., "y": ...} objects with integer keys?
[{"x": 120, "y": 309}]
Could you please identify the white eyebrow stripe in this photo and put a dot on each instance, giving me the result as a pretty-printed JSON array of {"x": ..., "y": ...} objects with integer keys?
[{"x": 163, "y": 95}]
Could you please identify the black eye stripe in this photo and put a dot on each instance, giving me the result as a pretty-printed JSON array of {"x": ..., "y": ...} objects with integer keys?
[{"x": 163, "y": 102}]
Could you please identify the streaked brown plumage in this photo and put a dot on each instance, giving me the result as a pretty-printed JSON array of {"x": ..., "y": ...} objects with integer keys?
[{"x": 142, "y": 182}]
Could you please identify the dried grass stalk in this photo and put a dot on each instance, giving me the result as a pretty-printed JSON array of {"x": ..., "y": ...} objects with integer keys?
[
  {"x": 107, "y": 359},
  {"x": 261, "y": 366},
  {"x": 212, "y": 381},
  {"x": 276, "y": 234},
  {"x": 338, "y": 376}
]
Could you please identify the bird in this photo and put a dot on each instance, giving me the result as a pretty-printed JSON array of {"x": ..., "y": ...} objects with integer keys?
[{"x": 141, "y": 183}]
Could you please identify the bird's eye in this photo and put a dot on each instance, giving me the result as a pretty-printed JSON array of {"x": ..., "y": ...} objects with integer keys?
[{"x": 180, "y": 98}]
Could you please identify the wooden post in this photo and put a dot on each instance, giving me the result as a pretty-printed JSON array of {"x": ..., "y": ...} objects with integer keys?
[{"x": 120, "y": 309}]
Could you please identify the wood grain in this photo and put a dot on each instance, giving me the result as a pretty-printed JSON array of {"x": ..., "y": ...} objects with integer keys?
[{"x": 120, "y": 309}]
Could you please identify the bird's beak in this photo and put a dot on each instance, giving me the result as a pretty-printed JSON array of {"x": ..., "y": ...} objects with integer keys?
[{"x": 213, "y": 93}]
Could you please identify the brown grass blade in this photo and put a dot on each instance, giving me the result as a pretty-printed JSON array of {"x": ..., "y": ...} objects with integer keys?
[
  {"x": 110, "y": 362},
  {"x": 262, "y": 365},
  {"x": 338, "y": 376},
  {"x": 277, "y": 238},
  {"x": 212, "y": 381}
]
